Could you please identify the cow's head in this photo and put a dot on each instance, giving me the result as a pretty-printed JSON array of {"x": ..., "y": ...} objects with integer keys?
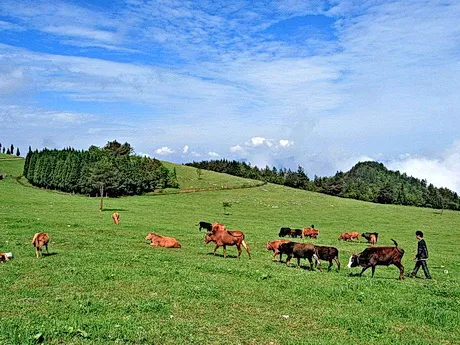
[
  {"x": 354, "y": 261},
  {"x": 208, "y": 238},
  {"x": 149, "y": 236},
  {"x": 269, "y": 246}
]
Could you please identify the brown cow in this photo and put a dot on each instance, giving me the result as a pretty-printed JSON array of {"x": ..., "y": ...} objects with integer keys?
[
  {"x": 116, "y": 218},
  {"x": 273, "y": 246},
  {"x": 349, "y": 236},
  {"x": 371, "y": 237},
  {"x": 162, "y": 241},
  {"x": 223, "y": 238},
  {"x": 328, "y": 254},
  {"x": 299, "y": 251},
  {"x": 40, "y": 239},
  {"x": 310, "y": 232},
  {"x": 378, "y": 256}
]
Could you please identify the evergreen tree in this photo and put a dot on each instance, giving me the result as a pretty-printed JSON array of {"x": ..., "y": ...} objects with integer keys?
[
  {"x": 11, "y": 149},
  {"x": 17, "y": 152}
]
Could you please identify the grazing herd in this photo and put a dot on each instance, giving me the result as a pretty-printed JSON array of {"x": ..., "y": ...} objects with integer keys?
[{"x": 216, "y": 232}]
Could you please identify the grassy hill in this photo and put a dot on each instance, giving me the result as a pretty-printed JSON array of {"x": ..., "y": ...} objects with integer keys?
[
  {"x": 189, "y": 179},
  {"x": 104, "y": 284}
]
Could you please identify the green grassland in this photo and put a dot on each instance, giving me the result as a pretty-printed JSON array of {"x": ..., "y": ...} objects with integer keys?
[
  {"x": 103, "y": 284},
  {"x": 189, "y": 179}
]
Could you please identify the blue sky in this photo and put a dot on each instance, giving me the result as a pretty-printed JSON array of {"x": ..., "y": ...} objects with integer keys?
[{"x": 323, "y": 84}]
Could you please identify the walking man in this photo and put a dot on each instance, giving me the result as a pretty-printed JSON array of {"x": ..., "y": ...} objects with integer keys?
[{"x": 421, "y": 257}]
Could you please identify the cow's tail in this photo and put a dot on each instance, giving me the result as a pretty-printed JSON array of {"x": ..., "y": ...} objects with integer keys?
[{"x": 399, "y": 249}]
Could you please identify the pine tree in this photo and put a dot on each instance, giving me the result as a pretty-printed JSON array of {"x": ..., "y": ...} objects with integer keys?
[
  {"x": 17, "y": 152},
  {"x": 11, "y": 149},
  {"x": 7, "y": 151}
]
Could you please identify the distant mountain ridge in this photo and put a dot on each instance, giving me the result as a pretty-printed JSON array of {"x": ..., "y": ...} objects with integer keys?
[{"x": 367, "y": 181}]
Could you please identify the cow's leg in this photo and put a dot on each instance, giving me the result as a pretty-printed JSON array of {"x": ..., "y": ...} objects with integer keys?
[
  {"x": 338, "y": 264},
  {"x": 275, "y": 254},
  {"x": 373, "y": 270},
  {"x": 318, "y": 264},
  {"x": 238, "y": 246},
  {"x": 365, "y": 268},
  {"x": 46, "y": 246},
  {"x": 288, "y": 260},
  {"x": 310, "y": 260},
  {"x": 225, "y": 251},
  {"x": 37, "y": 252},
  {"x": 401, "y": 269},
  {"x": 330, "y": 265},
  {"x": 215, "y": 248}
]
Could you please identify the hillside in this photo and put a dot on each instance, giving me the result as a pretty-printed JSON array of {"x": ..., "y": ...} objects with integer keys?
[
  {"x": 367, "y": 181},
  {"x": 104, "y": 284},
  {"x": 189, "y": 179}
]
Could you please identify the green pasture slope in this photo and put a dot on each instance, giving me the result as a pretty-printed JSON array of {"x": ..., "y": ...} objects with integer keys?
[
  {"x": 189, "y": 179},
  {"x": 103, "y": 284}
]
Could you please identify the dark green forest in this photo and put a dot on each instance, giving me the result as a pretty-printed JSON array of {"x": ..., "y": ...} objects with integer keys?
[
  {"x": 109, "y": 171},
  {"x": 367, "y": 181}
]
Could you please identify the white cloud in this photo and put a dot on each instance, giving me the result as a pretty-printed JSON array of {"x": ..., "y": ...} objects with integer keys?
[
  {"x": 164, "y": 151},
  {"x": 18, "y": 116},
  {"x": 213, "y": 154},
  {"x": 195, "y": 154},
  {"x": 441, "y": 172},
  {"x": 185, "y": 149},
  {"x": 257, "y": 141},
  {"x": 286, "y": 143},
  {"x": 142, "y": 154},
  {"x": 236, "y": 148}
]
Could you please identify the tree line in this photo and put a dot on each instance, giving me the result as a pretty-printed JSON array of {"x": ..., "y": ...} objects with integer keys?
[
  {"x": 367, "y": 181},
  {"x": 109, "y": 171},
  {"x": 9, "y": 150}
]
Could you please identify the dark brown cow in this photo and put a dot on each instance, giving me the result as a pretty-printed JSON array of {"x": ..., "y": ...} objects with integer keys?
[
  {"x": 116, "y": 218},
  {"x": 328, "y": 254},
  {"x": 378, "y": 256},
  {"x": 299, "y": 251},
  {"x": 371, "y": 237},
  {"x": 349, "y": 236},
  {"x": 162, "y": 241},
  {"x": 205, "y": 225},
  {"x": 223, "y": 238},
  {"x": 284, "y": 232},
  {"x": 40, "y": 239},
  {"x": 273, "y": 245},
  {"x": 310, "y": 232}
]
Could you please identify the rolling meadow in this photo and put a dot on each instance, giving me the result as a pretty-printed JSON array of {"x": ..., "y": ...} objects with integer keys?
[{"x": 104, "y": 284}]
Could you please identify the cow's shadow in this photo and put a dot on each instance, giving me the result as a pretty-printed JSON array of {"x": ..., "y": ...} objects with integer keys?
[
  {"x": 114, "y": 209},
  {"x": 222, "y": 255},
  {"x": 49, "y": 254},
  {"x": 356, "y": 275}
]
